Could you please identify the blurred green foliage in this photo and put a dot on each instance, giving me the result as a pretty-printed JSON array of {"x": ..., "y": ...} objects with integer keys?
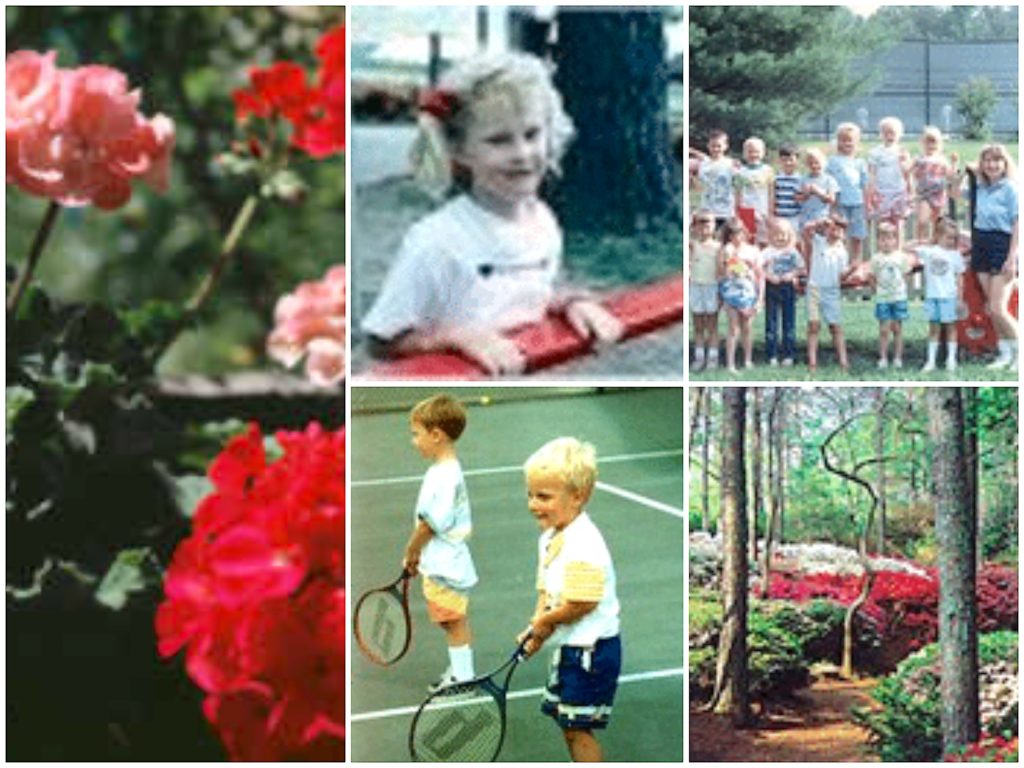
[{"x": 187, "y": 61}]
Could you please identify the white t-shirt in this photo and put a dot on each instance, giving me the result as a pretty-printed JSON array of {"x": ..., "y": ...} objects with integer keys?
[
  {"x": 828, "y": 263},
  {"x": 885, "y": 161},
  {"x": 443, "y": 504},
  {"x": 941, "y": 267},
  {"x": 716, "y": 184},
  {"x": 465, "y": 266},
  {"x": 574, "y": 564}
]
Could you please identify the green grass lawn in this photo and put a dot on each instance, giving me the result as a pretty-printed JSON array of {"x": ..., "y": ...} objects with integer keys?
[{"x": 861, "y": 331}]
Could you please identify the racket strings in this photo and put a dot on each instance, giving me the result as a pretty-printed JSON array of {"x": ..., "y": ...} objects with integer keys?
[
  {"x": 464, "y": 726},
  {"x": 381, "y": 626}
]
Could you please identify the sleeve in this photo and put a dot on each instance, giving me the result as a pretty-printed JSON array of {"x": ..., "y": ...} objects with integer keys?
[
  {"x": 438, "y": 506},
  {"x": 1011, "y": 203},
  {"x": 409, "y": 292},
  {"x": 540, "y": 564}
]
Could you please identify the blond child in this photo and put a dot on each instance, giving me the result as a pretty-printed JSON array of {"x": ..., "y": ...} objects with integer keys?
[
  {"x": 438, "y": 548},
  {"x": 817, "y": 195},
  {"x": 783, "y": 266},
  {"x": 851, "y": 173},
  {"x": 487, "y": 260},
  {"x": 829, "y": 266},
  {"x": 943, "y": 267},
  {"x": 741, "y": 286},
  {"x": 889, "y": 268},
  {"x": 703, "y": 297},
  {"x": 888, "y": 197},
  {"x": 932, "y": 173},
  {"x": 753, "y": 181},
  {"x": 577, "y": 611}
]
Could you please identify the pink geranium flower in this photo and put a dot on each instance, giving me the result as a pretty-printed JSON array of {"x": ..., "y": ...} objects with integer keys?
[
  {"x": 310, "y": 323},
  {"x": 77, "y": 137}
]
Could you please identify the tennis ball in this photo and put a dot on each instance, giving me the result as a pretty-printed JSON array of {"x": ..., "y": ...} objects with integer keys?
[{"x": 485, "y": 400}]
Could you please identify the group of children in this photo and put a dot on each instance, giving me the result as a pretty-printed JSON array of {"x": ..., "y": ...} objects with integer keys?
[
  {"x": 761, "y": 234},
  {"x": 577, "y": 610}
]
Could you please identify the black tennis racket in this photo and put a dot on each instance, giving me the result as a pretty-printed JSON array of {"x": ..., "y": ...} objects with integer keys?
[
  {"x": 382, "y": 623},
  {"x": 464, "y": 722}
]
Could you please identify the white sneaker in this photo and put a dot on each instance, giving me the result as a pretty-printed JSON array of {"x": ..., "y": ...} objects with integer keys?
[
  {"x": 446, "y": 680},
  {"x": 999, "y": 363},
  {"x": 897, "y": 362},
  {"x": 774, "y": 362},
  {"x": 928, "y": 367},
  {"x": 748, "y": 365},
  {"x": 787, "y": 363},
  {"x": 698, "y": 365},
  {"x": 882, "y": 364},
  {"x": 951, "y": 365},
  {"x": 712, "y": 364},
  {"x": 732, "y": 369}
]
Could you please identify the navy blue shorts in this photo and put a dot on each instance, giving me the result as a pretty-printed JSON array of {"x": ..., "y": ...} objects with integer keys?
[
  {"x": 989, "y": 250},
  {"x": 581, "y": 684}
]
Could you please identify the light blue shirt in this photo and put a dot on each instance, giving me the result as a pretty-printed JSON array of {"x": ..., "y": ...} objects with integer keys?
[
  {"x": 814, "y": 208},
  {"x": 996, "y": 206},
  {"x": 851, "y": 173}
]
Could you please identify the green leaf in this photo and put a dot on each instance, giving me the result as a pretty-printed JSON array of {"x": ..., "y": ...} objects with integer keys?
[
  {"x": 17, "y": 399},
  {"x": 189, "y": 490},
  {"x": 132, "y": 571}
]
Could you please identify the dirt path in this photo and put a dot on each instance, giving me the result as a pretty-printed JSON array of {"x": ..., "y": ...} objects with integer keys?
[{"x": 814, "y": 726}]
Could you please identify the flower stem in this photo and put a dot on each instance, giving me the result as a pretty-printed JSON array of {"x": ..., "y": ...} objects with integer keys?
[
  {"x": 34, "y": 255},
  {"x": 227, "y": 250}
]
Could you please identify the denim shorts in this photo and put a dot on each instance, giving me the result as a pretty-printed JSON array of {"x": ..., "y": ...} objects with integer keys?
[
  {"x": 581, "y": 684},
  {"x": 704, "y": 299},
  {"x": 857, "y": 225},
  {"x": 989, "y": 250},
  {"x": 940, "y": 310},
  {"x": 891, "y": 310}
]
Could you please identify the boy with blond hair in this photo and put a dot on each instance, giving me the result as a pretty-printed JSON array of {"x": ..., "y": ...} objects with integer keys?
[
  {"x": 577, "y": 611},
  {"x": 438, "y": 547}
]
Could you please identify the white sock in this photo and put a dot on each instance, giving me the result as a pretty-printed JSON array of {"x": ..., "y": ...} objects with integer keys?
[
  {"x": 698, "y": 355},
  {"x": 951, "y": 347},
  {"x": 462, "y": 662},
  {"x": 1011, "y": 347},
  {"x": 933, "y": 351}
]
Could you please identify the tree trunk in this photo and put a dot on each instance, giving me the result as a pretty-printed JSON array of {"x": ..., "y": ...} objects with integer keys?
[
  {"x": 619, "y": 173},
  {"x": 880, "y": 453},
  {"x": 731, "y": 696},
  {"x": 972, "y": 477},
  {"x": 757, "y": 448},
  {"x": 955, "y": 533},
  {"x": 705, "y": 467},
  {"x": 776, "y": 427}
]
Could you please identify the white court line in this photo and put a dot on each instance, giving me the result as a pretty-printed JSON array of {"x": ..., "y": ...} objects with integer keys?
[
  {"x": 512, "y": 468},
  {"x": 643, "y": 500},
  {"x": 400, "y": 711}
]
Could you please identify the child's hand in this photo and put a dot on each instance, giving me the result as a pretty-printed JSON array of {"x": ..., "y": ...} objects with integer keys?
[
  {"x": 590, "y": 320},
  {"x": 411, "y": 562},
  {"x": 492, "y": 351}
]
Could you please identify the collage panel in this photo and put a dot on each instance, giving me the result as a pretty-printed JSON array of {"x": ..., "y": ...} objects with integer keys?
[
  {"x": 517, "y": 201},
  {"x": 174, "y": 494},
  {"x": 598, "y": 562},
  {"x": 853, "y": 574},
  {"x": 853, "y": 200}
]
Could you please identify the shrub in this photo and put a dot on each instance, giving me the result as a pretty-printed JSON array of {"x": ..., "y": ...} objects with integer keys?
[
  {"x": 907, "y": 726},
  {"x": 975, "y": 101},
  {"x": 988, "y": 749}
]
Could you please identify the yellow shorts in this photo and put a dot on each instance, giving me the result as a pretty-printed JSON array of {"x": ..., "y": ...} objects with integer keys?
[{"x": 444, "y": 603}]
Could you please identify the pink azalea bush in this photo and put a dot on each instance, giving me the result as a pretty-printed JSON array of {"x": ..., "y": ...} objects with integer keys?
[
  {"x": 310, "y": 323},
  {"x": 77, "y": 137}
]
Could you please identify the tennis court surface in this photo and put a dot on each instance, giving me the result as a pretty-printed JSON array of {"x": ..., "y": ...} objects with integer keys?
[{"x": 637, "y": 505}]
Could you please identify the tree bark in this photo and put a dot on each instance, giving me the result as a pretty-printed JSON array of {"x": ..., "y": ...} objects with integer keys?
[
  {"x": 705, "y": 467},
  {"x": 619, "y": 171},
  {"x": 955, "y": 532},
  {"x": 731, "y": 695},
  {"x": 757, "y": 449},
  {"x": 880, "y": 452}
]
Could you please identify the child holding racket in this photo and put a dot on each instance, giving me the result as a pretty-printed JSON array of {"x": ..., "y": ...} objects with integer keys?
[
  {"x": 488, "y": 260},
  {"x": 577, "y": 612},
  {"x": 438, "y": 546}
]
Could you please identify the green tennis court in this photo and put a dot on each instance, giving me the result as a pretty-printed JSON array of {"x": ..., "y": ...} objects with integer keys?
[{"x": 637, "y": 505}]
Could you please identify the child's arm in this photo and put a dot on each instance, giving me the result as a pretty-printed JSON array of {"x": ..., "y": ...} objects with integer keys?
[
  {"x": 543, "y": 626},
  {"x": 1010, "y": 265},
  {"x": 421, "y": 534}
]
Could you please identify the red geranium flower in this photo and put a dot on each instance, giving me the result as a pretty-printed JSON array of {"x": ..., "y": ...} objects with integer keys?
[{"x": 255, "y": 598}]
